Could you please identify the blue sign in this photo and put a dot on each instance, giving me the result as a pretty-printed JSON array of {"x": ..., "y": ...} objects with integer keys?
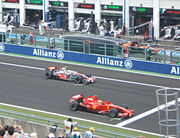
[{"x": 92, "y": 59}]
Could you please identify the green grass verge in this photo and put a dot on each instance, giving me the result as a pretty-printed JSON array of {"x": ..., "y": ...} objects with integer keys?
[{"x": 42, "y": 116}]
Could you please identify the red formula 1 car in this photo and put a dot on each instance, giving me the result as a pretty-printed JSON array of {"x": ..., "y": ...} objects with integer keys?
[
  {"x": 62, "y": 73},
  {"x": 91, "y": 103}
]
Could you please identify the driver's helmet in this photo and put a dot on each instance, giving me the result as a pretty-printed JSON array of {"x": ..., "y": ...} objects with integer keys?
[
  {"x": 99, "y": 101},
  {"x": 63, "y": 69}
]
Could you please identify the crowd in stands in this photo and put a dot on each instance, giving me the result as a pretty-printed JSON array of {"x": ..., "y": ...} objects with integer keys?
[
  {"x": 15, "y": 131},
  {"x": 70, "y": 130}
]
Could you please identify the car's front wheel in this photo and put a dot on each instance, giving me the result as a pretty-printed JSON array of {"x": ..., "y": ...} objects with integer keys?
[
  {"x": 113, "y": 112},
  {"x": 78, "y": 80},
  {"x": 74, "y": 105}
]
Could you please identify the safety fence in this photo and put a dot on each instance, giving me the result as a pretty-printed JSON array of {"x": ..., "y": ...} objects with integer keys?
[
  {"x": 50, "y": 122},
  {"x": 108, "y": 47}
]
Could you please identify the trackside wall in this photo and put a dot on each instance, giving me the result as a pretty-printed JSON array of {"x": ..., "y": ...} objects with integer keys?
[
  {"x": 93, "y": 59},
  {"x": 31, "y": 127},
  {"x": 28, "y": 127}
]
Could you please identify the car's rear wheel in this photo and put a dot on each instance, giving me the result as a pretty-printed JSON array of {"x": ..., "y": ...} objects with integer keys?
[
  {"x": 78, "y": 80},
  {"x": 74, "y": 105},
  {"x": 49, "y": 74},
  {"x": 113, "y": 112}
]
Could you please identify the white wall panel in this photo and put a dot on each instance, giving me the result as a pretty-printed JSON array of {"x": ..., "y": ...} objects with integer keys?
[
  {"x": 108, "y": 2},
  {"x": 87, "y": 11},
  {"x": 36, "y": 7},
  {"x": 169, "y": 3},
  {"x": 10, "y": 5},
  {"x": 137, "y": 3},
  {"x": 115, "y": 2},
  {"x": 145, "y": 3},
  {"x": 85, "y": 1}
]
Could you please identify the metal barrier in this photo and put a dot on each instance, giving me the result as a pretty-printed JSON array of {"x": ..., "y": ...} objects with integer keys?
[
  {"x": 109, "y": 48},
  {"x": 47, "y": 121},
  {"x": 168, "y": 112}
]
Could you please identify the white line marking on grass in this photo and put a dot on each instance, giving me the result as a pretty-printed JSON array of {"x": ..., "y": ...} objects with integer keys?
[
  {"x": 111, "y": 79},
  {"x": 91, "y": 66},
  {"x": 147, "y": 113},
  {"x": 66, "y": 116}
]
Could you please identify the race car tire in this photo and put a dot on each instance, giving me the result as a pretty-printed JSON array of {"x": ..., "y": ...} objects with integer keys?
[
  {"x": 113, "y": 112},
  {"x": 89, "y": 75},
  {"x": 49, "y": 74},
  {"x": 78, "y": 80},
  {"x": 74, "y": 105}
]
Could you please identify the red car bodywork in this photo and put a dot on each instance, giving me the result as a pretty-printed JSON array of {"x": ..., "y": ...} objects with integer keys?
[{"x": 93, "y": 104}]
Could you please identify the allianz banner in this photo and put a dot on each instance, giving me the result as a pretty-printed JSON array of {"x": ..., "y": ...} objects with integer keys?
[{"x": 92, "y": 59}]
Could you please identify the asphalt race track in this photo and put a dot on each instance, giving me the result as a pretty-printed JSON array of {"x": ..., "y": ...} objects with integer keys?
[{"x": 28, "y": 87}]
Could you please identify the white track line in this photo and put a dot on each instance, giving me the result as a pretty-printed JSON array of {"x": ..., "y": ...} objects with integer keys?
[
  {"x": 66, "y": 116},
  {"x": 131, "y": 82},
  {"x": 91, "y": 66},
  {"x": 111, "y": 79},
  {"x": 22, "y": 66},
  {"x": 145, "y": 114}
]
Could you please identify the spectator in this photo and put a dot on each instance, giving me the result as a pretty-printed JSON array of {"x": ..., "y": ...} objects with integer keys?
[
  {"x": 149, "y": 54},
  {"x": 31, "y": 38},
  {"x": 16, "y": 135},
  {"x": 76, "y": 133},
  {"x": 33, "y": 135},
  {"x": 51, "y": 41},
  {"x": 6, "y": 127},
  {"x": 11, "y": 131},
  {"x": 36, "y": 20},
  {"x": 126, "y": 54},
  {"x": 89, "y": 133},
  {"x": 69, "y": 127},
  {"x": 123, "y": 29},
  {"x": 2, "y": 132},
  {"x": 145, "y": 35},
  {"x": 137, "y": 31},
  {"x": 172, "y": 33},
  {"x": 41, "y": 28},
  {"x": 51, "y": 135},
  {"x": 61, "y": 136},
  {"x": 23, "y": 39}
]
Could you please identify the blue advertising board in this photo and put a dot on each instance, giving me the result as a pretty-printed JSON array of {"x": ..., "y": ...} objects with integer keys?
[{"x": 93, "y": 59}]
